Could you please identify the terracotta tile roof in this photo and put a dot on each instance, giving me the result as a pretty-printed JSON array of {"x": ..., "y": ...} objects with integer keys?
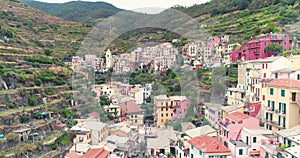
[
  {"x": 134, "y": 91},
  {"x": 60, "y": 125},
  {"x": 208, "y": 144},
  {"x": 96, "y": 153},
  {"x": 130, "y": 107},
  {"x": 72, "y": 155},
  {"x": 93, "y": 114},
  {"x": 289, "y": 83},
  {"x": 236, "y": 116}
]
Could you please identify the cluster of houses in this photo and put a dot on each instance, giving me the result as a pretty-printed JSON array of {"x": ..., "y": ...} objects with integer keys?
[
  {"x": 220, "y": 50},
  {"x": 209, "y": 53},
  {"x": 128, "y": 135},
  {"x": 261, "y": 116},
  {"x": 159, "y": 57}
]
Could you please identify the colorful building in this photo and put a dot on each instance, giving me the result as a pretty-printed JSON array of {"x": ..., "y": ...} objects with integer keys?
[
  {"x": 207, "y": 147},
  {"x": 232, "y": 124},
  {"x": 281, "y": 106},
  {"x": 166, "y": 108},
  {"x": 256, "y": 48},
  {"x": 90, "y": 132}
]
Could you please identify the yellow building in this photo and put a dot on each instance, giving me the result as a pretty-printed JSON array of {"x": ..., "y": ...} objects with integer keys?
[
  {"x": 281, "y": 104},
  {"x": 295, "y": 61},
  {"x": 163, "y": 109},
  {"x": 105, "y": 90},
  {"x": 114, "y": 111},
  {"x": 235, "y": 96}
]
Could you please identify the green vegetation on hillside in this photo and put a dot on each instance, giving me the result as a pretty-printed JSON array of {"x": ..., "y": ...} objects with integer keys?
[
  {"x": 243, "y": 19},
  {"x": 80, "y": 11}
]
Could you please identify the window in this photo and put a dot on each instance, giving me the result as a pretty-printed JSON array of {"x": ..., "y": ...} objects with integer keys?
[
  {"x": 192, "y": 147},
  {"x": 263, "y": 66},
  {"x": 192, "y": 156},
  {"x": 162, "y": 109},
  {"x": 284, "y": 43},
  {"x": 298, "y": 77},
  {"x": 263, "y": 97},
  {"x": 271, "y": 91},
  {"x": 265, "y": 75},
  {"x": 254, "y": 139},
  {"x": 230, "y": 92},
  {"x": 283, "y": 93},
  {"x": 266, "y": 66},
  {"x": 162, "y": 115},
  {"x": 265, "y": 43},
  {"x": 200, "y": 152},
  {"x": 240, "y": 151},
  {"x": 276, "y": 75},
  {"x": 247, "y": 140}
]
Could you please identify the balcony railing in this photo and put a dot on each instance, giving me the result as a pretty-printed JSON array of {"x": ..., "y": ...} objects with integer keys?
[
  {"x": 280, "y": 112},
  {"x": 269, "y": 109}
]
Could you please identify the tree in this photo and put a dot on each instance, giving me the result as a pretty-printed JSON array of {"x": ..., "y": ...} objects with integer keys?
[
  {"x": 274, "y": 49},
  {"x": 32, "y": 101},
  {"x": 24, "y": 119},
  {"x": 12, "y": 137},
  {"x": 47, "y": 52},
  {"x": 104, "y": 101},
  {"x": 8, "y": 32}
]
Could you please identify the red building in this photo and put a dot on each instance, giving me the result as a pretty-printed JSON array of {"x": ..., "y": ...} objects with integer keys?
[{"x": 256, "y": 48}]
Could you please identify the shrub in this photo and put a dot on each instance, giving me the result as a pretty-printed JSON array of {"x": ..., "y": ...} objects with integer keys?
[
  {"x": 24, "y": 119},
  {"x": 32, "y": 101},
  {"x": 38, "y": 82},
  {"x": 47, "y": 52},
  {"x": 8, "y": 33}
]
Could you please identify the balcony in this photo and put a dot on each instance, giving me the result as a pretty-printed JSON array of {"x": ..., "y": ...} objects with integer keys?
[
  {"x": 224, "y": 125},
  {"x": 278, "y": 125},
  {"x": 269, "y": 110},
  {"x": 280, "y": 112}
]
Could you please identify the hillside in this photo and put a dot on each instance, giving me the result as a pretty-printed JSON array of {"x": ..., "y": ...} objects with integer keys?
[
  {"x": 35, "y": 31},
  {"x": 80, "y": 11},
  {"x": 244, "y": 19}
]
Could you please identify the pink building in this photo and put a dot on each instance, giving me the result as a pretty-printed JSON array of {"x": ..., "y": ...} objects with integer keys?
[
  {"x": 232, "y": 124},
  {"x": 256, "y": 48},
  {"x": 287, "y": 73},
  {"x": 182, "y": 104}
]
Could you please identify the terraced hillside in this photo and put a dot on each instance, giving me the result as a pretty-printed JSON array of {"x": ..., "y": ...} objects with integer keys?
[
  {"x": 86, "y": 12},
  {"x": 245, "y": 19},
  {"x": 26, "y": 28}
]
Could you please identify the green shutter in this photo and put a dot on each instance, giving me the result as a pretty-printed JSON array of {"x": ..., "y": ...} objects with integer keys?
[
  {"x": 269, "y": 103},
  {"x": 254, "y": 140},
  {"x": 279, "y": 106},
  {"x": 240, "y": 151},
  {"x": 282, "y": 93},
  {"x": 271, "y": 91},
  {"x": 298, "y": 76}
]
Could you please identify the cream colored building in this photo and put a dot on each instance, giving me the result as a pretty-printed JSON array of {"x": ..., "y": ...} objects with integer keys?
[
  {"x": 282, "y": 104},
  {"x": 90, "y": 132},
  {"x": 163, "y": 111},
  {"x": 108, "y": 59}
]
